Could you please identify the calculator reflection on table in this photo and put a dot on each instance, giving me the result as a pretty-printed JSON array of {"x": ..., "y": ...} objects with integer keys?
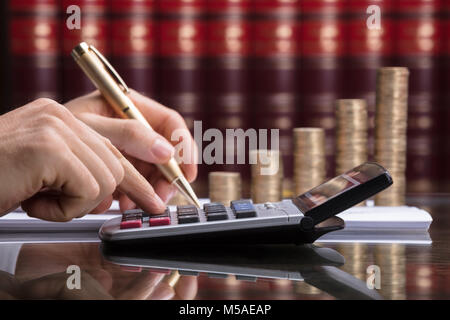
[{"x": 316, "y": 266}]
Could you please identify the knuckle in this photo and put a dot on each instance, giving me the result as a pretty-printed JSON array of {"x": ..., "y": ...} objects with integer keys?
[
  {"x": 46, "y": 140},
  {"x": 49, "y": 122},
  {"x": 44, "y": 101},
  {"x": 107, "y": 142},
  {"x": 92, "y": 191},
  {"x": 109, "y": 185},
  {"x": 55, "y": 109},
  {"x": 119, "y": 173}
]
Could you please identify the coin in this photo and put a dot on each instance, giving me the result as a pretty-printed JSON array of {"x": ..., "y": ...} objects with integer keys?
[
  {"x": 309, "y": 158},
  {"x": 351, "y": 134},
  {"x": 225, "y": 187},
  {"x": 267, "y": 175}
]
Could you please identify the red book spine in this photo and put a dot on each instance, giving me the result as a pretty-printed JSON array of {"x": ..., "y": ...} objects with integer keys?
[
  {"x": 227, "y": 52},
  {"x": 418, "y": 47},
  {"x": 34, "y": 48},
  {"x": 94, "y": 31},
  {"x": 133, "y": 43},
  {"x": 322, "y": 47},
  {"x": 181, "y": 48},
  {"x": 367, "y": 51},
  {"x": 273, "y": 69}
]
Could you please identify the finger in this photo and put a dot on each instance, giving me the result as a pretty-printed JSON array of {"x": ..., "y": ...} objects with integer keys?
[
  {"x": 103, "y": 206},
  {"x": 132, "y": 137},
  {"x": 125, "y": 203},
  {"x": 77, "y": 184},
  {"x": 138, "y": 189},
  {"x": 165, "y": 190},
  {"x": 88, "y": 147},
  {"x": 166, "y": 121},
  {"x": 99, "y": 145}
]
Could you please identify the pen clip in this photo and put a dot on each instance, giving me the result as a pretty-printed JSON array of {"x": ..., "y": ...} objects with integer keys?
[{"x": 110, "y": 69}]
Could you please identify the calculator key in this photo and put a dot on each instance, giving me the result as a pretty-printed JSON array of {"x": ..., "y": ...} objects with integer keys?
[
  {"x": 131, "y": 220},
  {"x": 131, "y": 224},
  {"x": 215, "y": 216},
  {"x": 187, "y": 210},
  {"x": 130, "y": 216},
  {"x": 187, "y": 214},
  {"x": 214, "y": 207},
  {"x": 159, "y": 221},
  {"x": 188, "y": 219},
  {"x": 243, "y": 209}
]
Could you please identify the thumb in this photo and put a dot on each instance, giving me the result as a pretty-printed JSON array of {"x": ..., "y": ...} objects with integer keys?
[{"x": 132, "y": 137}]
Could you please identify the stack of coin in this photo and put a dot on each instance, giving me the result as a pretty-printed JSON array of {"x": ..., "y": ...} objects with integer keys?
[
  {"x": 391, "y": 121},
  {"x": 309, "y": 159},
  {"x": 224, "y": 187},
  {"x": 351, "y": 134},
  {"x": 267, "y": 175}
]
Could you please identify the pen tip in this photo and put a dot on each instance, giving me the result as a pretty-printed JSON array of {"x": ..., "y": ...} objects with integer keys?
[{"x": 185, "y": 188}]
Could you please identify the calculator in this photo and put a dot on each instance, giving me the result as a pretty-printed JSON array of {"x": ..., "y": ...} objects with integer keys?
[{"x": 303, "y": 219}]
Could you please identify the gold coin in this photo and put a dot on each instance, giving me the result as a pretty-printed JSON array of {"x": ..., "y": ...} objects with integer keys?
[
  {"x": 309, "y": 159},
  {"x": 267, "y": 175},
  {"x": 225, "y": 187}
]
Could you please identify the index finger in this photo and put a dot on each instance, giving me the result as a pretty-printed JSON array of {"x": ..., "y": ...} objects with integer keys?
[
  {"x": 166, "y": 121},
  {"x": 137, "y": 188}
]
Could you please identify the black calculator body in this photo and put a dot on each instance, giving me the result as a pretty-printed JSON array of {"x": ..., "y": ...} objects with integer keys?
[{"x": 303, "y": 219}]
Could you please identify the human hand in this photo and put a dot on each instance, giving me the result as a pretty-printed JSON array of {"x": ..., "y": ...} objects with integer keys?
[
  {"x": 58, "y": 168},
  {"x": 143, "y": 146}
]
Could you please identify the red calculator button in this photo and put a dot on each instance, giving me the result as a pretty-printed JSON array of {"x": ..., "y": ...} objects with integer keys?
[
  {"x": 154, "y": 222},
  {"x": 131, "y": 224}
]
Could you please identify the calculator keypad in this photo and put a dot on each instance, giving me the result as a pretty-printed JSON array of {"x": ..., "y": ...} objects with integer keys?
[
  {"x": 189, "y": 214},
  {"x": 188, "y": 219}
]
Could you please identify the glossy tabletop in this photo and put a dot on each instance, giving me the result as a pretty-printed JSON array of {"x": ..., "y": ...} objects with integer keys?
[{"x": 321, "y": 271}]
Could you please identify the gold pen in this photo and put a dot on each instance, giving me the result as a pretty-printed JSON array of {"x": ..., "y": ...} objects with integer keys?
[{"x": 115, "y": 91}]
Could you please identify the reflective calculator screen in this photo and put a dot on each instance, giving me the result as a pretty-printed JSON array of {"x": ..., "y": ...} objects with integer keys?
[{"x": 338, "y": 185}]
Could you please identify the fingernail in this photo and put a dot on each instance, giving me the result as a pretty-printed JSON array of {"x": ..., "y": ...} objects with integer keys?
[{"x": 161, "y": 149}]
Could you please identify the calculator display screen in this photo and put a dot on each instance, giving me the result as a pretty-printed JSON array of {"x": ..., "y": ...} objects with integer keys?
[{"x": 337, "y": 186}]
